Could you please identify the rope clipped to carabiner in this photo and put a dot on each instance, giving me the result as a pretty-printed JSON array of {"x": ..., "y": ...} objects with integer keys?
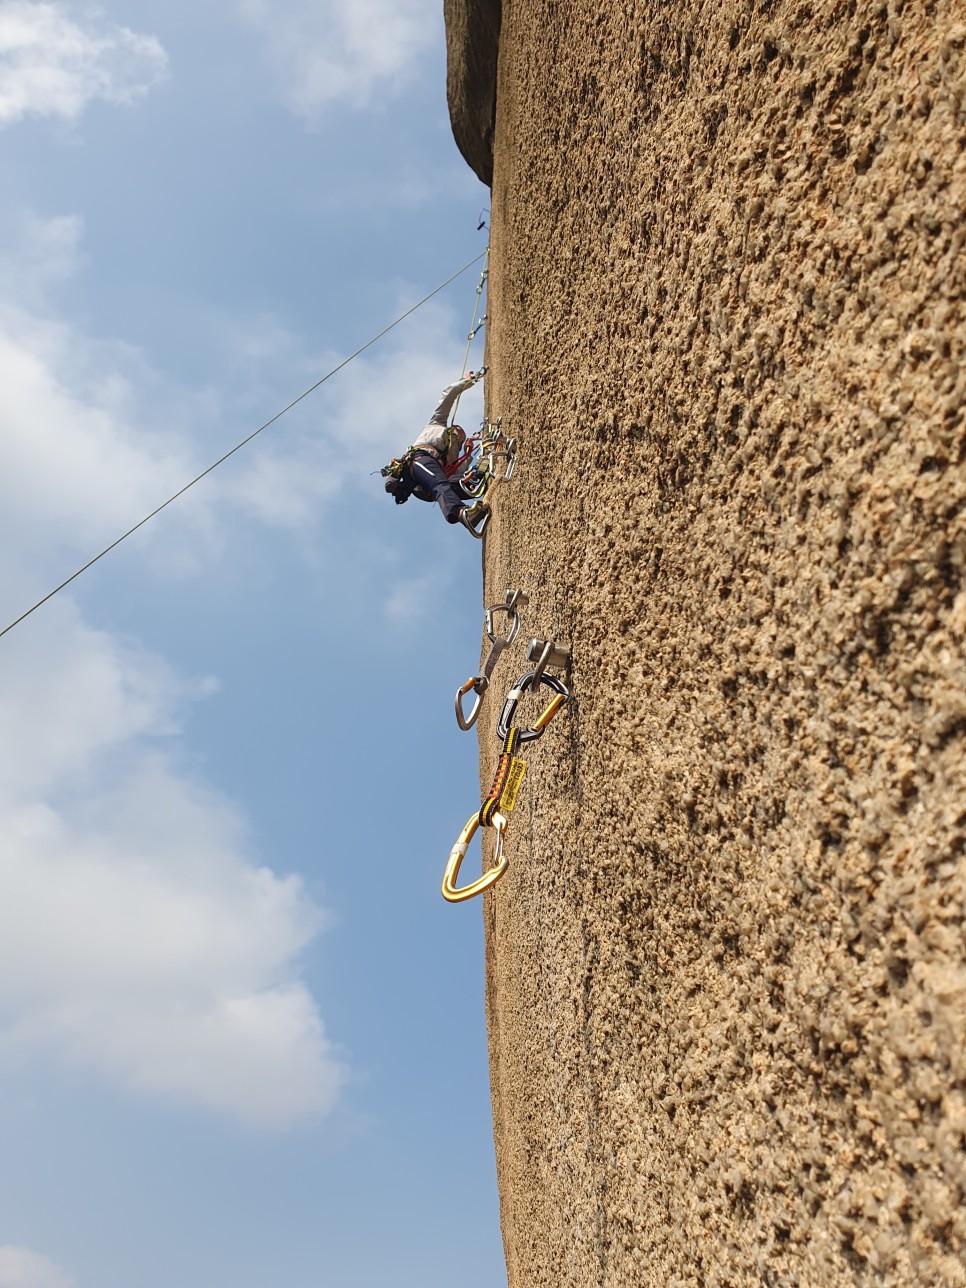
[{"x": 513, "y": 601}]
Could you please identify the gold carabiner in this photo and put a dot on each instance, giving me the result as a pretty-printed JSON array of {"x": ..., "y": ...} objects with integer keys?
[
  {"x": 456, "y": 894},
  {"x": 554, "y": 705}
]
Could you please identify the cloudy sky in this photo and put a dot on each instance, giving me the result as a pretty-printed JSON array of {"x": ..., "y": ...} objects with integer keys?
[{"x": 241, "y": 1035}]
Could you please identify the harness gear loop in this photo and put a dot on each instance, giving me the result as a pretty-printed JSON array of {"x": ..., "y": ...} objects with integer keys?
[
  {"x": 456, "y": 894},
  {"x": 524, "y": 684},
  {"x": 513, "y": 601}
]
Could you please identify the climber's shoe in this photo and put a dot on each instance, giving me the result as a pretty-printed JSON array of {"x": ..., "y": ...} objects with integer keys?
[{"x": 475, "y": 518}]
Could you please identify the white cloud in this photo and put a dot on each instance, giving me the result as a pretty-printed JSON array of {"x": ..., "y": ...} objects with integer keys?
[
  {"x": 343, "y": 50},
  {"x": 52, "y": 65},
  {"x": 42, "y": 253},
  {"x": 140, "y": 936},
  {"x": 76, "y": 455},
  {"x": 24, "y": 1268}
]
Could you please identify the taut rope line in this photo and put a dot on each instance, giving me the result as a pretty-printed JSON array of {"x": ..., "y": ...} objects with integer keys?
[{"x": 238, "y": 446}]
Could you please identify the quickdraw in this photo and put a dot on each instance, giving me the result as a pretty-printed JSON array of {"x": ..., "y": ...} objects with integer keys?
[
  {"x": 456, "y": 894},
  {"x": 531, "y": 681},
  {"x": 502, "y": 796},
  {"x": 513, "y": 601},
  {"x": 493, "y": 813},
  {"x": 491, "y": 446},
  {"x": 510, "y": 771}
]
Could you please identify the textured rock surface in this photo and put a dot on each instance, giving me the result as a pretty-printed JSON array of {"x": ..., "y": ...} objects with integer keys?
[
  {"x": 726, "y": 984},
  {"x": 472, "y": 48}
]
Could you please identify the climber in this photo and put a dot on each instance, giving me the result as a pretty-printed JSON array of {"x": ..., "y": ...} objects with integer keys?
[{"x": 424, "y": 469}]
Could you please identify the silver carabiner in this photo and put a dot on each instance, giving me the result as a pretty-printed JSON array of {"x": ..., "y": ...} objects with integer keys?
[
  {"x": 511, "y": 459},
  {"x": 513, "y": 601},
  {"x": 478, "y": 685},
  {"x": 481, "y": 527}
]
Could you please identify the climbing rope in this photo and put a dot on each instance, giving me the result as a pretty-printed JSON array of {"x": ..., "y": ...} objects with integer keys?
[
  {"x": 474, "y": 328},
  {"x": 245, "y": 441}
]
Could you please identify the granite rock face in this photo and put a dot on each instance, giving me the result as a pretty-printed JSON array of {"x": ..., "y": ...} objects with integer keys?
[
  {"x": 472, "y": 48},
  {"x": 726, "y": 991}
]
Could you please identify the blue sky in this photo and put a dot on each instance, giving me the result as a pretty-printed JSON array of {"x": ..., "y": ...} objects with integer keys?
[{"x": 241, "y": 1035}]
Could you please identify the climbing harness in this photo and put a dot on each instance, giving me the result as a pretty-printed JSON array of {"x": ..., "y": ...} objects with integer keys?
[
  {"x": 526, "y": 684},
  {"x": 513, "y": 601}
]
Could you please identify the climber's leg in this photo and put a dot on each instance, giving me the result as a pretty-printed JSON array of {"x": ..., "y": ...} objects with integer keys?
[{"x": 427, "y": 472}]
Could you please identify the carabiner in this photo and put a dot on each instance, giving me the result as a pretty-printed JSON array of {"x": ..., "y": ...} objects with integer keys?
[
  {"x": 477, "y": 684},
  {"x": 456, "y": 894},
  {"x": 513, "y": 601},
  {"x": 525, "y": 683},
  {"x": 511, "y": 459},
  {"x": 477, "y": 531}
]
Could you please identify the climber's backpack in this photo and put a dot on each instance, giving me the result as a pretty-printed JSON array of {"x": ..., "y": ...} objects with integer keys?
[
  {"x": 399, "y": 482},
  {"x": 398, "y": 479},
  {"x": 397, "y": 487}
]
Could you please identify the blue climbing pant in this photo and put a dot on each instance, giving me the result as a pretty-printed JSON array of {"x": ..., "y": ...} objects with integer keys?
[{"x": 430, "y": 478}]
